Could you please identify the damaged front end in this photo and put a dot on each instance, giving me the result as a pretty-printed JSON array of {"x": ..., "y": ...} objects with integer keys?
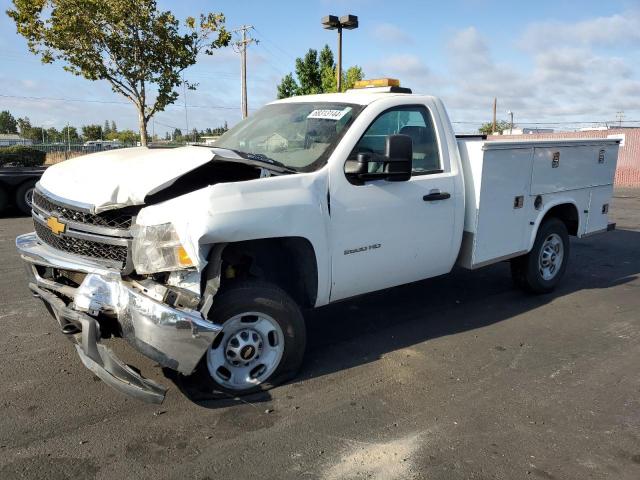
[
  {"x": 81, "y": 265},
  {"x": 91, "y": 303}
]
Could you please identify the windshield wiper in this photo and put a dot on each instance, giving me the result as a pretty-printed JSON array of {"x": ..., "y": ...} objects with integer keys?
[{"x": 259, "y": 157}]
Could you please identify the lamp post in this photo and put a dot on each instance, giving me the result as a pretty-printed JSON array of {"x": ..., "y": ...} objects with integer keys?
[{"x": 347, "y": 22}]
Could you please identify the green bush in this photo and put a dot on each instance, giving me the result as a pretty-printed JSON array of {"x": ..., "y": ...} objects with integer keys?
[{"x": 21, "y": 156}]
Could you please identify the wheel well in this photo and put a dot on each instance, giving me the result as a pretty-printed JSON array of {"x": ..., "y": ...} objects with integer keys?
[
  {"x": 568, "y": 214},
  {"x": 289, "y": 262}
]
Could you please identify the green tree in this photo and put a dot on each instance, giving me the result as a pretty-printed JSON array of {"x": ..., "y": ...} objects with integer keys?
[
  {"x": 487, "y": 128},
  {"x": 137, "y": 48},
  {"x": 327, "y": 70},
  {"x": 36, "y": 134},
  {"x": 106, "y": 130},
  {"x": 317, "y": 74},
  {"x": 308, "y": 73},
  {"x": 113, "y": 126},
  {"x": 288, "y": 87},
  {"x": 351, "y": 76},
  {"x": 92, "y": 132},
  {"x": 126, "y": 137},
  {"x": 70, "y": 134},
  {"x": 24, "y": 125},
  {"x": 8, "y": 123},
  {"x": 53, "y": 135}
]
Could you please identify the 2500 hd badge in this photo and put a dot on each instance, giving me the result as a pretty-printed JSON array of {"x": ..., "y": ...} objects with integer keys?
[{"x": 363, "y": 249}]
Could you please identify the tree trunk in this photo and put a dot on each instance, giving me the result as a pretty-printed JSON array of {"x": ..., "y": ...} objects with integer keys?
[{"x": 142, "y": 122}]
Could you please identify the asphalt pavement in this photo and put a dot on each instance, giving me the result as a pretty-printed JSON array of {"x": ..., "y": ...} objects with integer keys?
[{"x": 456, "y": 377}]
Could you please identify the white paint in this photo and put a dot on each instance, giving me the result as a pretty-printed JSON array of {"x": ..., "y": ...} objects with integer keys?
[
  {"x": 116, "y": 178},
  {"x": 397, "y": 237}
]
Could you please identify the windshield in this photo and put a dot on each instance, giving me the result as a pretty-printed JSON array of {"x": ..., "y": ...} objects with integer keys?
[{"x": 300, "y": 136}]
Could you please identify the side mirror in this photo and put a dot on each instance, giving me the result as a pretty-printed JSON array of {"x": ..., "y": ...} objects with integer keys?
[
  {"x": 399, "y": 156},
  {"x": 396, "y": 162},
  {"x": 353, "y": 169}
]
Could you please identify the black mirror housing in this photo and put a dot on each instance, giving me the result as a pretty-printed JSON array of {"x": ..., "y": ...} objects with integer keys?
[
  {"x": 399, "y": 157},
  {"x": 396, "y": 162}
]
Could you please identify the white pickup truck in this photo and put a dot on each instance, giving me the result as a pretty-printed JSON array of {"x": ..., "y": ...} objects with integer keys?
[{"x": 204, "y": 257}]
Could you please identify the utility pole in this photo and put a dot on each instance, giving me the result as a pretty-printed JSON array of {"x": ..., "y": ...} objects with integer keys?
[
  {"x": 620, "y": 116},
  {"x": 510, "y": 113},
  {"x": 186, "y": 114},
  {"x": 241, "y": 47},
  {"x": 495, "y": 107}
]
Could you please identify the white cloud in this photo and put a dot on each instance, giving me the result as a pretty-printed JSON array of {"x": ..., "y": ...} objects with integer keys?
[
  {"x": 572, "y": 79},
  {"x": 619, "y": 29}
]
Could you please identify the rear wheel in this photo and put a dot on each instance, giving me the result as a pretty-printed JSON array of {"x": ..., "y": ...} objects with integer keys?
[
  {"x": 24, "y": 196},
  {"x": 261, "y": 344},
  {"x": 542, "y": 268}
]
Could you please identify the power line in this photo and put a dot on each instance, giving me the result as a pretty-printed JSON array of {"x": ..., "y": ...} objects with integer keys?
[
  {"x": 287, "y": 54},
  {"x": 111, "y": 102}
]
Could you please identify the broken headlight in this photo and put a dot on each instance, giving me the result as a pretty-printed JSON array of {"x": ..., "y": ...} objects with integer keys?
[{"x": 157, "y": 248}]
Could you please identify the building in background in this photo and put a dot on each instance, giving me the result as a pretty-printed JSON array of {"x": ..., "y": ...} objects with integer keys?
[
  {"x": 526, "y": 131},
  {"x": 8, "y": 139},
  {"x": 628, "y": 171}
]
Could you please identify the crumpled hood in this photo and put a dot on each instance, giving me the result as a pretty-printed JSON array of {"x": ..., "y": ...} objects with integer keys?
[{"x": 122, "y": 177}]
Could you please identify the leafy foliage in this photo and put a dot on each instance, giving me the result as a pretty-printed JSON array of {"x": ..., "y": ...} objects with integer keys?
[
  {"x": 21, "y": 156},
  {"x": 138, "y": 49},
  {"x": 487, "y": 128},
  {"x": 92, "y": 132},
  {"x": 288, "y": 87},
  {"x": 308, "y": 72},
  {"x": 317, "y": 74},
  {"x": 8, "y": 123}
]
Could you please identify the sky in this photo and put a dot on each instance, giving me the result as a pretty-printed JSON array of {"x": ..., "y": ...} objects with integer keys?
[{"x": 559, "y": 64}]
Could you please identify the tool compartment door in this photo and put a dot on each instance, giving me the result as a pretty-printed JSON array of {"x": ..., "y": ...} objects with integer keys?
[
  {"x": 504, "y": 202},
  {"x": 599, "y": 200},
  {"x": 570, "y": 167}
]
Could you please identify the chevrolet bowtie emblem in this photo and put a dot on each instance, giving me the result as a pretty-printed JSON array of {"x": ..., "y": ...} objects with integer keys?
[{"x": 55, "y": 225}]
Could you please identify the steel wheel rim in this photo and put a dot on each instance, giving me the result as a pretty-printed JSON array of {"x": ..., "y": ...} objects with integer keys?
[
  {"x": 249, "y": 351},
  {"x": 551, "y": 257},
  {"x": 28, "y": 197}
]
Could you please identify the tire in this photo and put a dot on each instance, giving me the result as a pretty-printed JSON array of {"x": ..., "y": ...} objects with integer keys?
[
  {"x": 4, "y": 200},
  {"x": 24, "y": 194},
  {"x": 251, "y": 307},
  {"x": 543, "y": 267}
]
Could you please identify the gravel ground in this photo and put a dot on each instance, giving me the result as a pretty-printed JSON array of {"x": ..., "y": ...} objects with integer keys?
[{"x": 460, "y": 376}]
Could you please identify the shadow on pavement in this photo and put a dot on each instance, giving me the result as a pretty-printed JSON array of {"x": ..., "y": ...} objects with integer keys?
[{"x": 361, "y": 330}]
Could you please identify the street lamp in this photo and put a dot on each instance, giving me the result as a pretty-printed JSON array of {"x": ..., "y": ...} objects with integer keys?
[{"x": 347, "y": 22}]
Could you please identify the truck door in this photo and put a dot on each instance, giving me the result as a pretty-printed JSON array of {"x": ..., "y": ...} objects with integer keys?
[{"x": 388, "y": 233}]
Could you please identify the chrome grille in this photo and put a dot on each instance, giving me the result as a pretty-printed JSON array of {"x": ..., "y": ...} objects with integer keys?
[
  {"x": 78, "y": 246},
  {"x": 115, "y": 219}
]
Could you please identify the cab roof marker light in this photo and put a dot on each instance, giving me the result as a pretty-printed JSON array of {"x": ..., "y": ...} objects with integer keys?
[{"x": 377, "y": 82}]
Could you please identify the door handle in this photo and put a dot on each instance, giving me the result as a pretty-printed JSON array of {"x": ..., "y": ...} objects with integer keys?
[{"x": 434, "y": 196}]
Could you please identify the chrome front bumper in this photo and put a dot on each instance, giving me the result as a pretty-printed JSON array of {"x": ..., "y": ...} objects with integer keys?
[{"x": 174, "y": 338}]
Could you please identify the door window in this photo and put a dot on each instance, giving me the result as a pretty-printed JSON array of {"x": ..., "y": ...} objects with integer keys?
[{"x": 414, "y": 121}]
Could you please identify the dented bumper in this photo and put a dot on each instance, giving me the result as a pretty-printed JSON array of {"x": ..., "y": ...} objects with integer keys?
[{"x": 175, "y": 338}]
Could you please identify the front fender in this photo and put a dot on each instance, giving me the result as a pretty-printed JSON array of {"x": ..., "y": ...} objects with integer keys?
[{"x": 282, "y": 206}]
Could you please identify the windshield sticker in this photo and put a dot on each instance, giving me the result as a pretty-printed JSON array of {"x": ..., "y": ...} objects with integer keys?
[{"x": 329, "y": 114}]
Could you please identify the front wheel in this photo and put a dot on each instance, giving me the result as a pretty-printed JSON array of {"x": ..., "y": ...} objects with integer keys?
[
  {"x": 542, "y": 268},
  {"x": 24, "y": 196},
  {"x": 261, "y": 344}
]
